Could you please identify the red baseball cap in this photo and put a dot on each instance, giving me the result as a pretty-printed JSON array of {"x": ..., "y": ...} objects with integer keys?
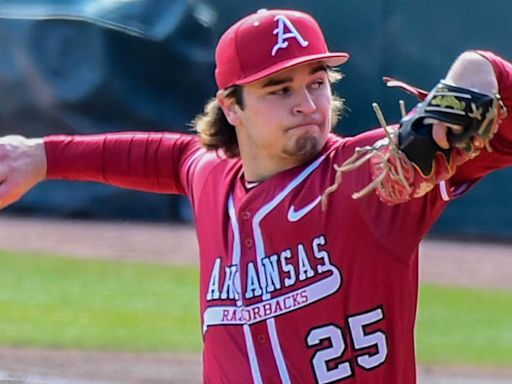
[{"x": 269, "y": 41}]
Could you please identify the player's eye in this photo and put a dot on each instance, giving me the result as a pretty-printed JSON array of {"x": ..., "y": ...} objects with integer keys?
[
  {"x": 281, "y": 91},
  {"x": 317, "y": 84}
]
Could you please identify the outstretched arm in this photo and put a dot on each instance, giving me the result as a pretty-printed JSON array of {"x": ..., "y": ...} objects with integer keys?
[{"x": 153, "y": 162}]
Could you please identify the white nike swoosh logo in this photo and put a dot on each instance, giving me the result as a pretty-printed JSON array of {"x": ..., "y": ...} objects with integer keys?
[{"x": 296, "y": 215}]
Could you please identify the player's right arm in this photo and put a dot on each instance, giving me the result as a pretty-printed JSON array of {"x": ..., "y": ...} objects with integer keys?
[{"x": 154, "y": 162}]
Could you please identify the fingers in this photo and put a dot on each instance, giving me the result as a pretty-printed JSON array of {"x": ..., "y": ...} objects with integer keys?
[
  {"x": 8, "y": 193},
  {"x": 3, "y": 182},
  {"x": 22, "y": 165},
  {"x": 3, "y": 171},
  {"x": 478, "y": 143},
  {"x": 440, "y": 132},
  {"x": 7, "y": 187}
]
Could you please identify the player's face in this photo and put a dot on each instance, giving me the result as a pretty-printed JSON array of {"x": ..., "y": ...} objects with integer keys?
[{"x": 286, "y": 117}]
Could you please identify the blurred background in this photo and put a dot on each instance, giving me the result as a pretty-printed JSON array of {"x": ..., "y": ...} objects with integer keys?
[{"x": 95, "y": 66}]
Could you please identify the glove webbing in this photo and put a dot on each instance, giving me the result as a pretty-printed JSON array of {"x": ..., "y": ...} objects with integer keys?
[{"x": 364, "y": 154}]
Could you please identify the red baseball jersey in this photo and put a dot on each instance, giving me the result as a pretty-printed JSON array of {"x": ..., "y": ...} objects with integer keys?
[{"x": 291, "y": 292}]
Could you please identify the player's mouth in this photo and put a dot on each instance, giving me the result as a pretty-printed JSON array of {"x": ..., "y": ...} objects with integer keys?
[{"x": 305, "y": 127}]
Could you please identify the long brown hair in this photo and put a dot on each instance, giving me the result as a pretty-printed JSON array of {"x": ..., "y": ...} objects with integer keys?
[{"x": 215, "y": 132}]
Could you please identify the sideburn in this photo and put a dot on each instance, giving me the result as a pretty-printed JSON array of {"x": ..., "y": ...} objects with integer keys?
[{"x": 236, "y": 92}]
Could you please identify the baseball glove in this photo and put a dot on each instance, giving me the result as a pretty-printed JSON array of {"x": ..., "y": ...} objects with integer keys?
[{"x": 408, "y": 163}]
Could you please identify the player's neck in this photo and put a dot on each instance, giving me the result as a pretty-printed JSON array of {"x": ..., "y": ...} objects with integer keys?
[{"x": 260, "y": 168}]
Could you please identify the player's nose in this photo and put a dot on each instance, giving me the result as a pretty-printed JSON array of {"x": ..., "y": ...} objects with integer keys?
[{"x": 305, "y": 103}]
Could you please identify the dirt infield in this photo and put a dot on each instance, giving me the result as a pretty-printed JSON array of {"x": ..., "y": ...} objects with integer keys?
[
  {"x": 448, "y": 262},
  {"x": 41, "y": 366}
]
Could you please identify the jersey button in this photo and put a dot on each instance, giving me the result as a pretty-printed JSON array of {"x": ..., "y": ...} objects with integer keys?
[
  {"x": 261, "y": 339},
  {"x": 248, "y": 243},
  {"x": 246, "y": 215}
]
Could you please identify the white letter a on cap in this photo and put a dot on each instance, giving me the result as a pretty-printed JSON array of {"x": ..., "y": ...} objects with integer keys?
[{"x": 282, "y": 21}]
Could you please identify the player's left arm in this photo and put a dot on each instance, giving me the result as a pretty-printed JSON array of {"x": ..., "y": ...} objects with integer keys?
[
  {"x": 487, "y": 72},
  {"x": 457, "y": 134},
  {"x": 471, "y": 71}
]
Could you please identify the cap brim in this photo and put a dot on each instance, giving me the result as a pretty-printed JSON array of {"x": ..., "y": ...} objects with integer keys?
[{"x": 331, "y": 59}]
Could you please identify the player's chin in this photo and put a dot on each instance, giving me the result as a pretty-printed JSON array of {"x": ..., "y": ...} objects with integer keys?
[{"x": 304, "y": 146}]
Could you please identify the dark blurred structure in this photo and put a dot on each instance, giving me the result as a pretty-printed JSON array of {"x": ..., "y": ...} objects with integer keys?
[
  {"x": 101, "y": 66},
  {"x": 104, "y": 65}
]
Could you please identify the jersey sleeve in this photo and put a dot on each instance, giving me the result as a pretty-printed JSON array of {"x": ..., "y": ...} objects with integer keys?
[
  {"x": 146, "y": 161},
  {"x": 501, "y": 155}
]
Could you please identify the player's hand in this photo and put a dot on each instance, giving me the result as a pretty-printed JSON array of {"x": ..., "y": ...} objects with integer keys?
[
  {"x": 440, "y": 133},
  {"x": 22, "y": 165},
  {"x": 472, "y": 71}
]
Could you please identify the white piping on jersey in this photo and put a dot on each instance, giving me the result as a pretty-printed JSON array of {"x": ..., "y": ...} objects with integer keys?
[
  {"x": 258, "y": 237},
  {"x": 260, "y": 252},
  {"x": 253, "y": 360},
  {"x": 444, "y": 192}
]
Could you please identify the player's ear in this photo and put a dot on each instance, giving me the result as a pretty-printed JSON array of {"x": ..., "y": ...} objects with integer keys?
[{"x": 230, "y": 108}]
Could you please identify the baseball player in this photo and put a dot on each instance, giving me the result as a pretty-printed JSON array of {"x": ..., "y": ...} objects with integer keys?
[{"x": 300, "y": 281}]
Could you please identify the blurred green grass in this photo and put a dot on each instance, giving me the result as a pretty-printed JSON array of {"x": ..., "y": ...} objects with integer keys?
[
  {"x": 48, "y": 301},
  {"x": 464, "y": 326},
  {"x": 95, "y": 304}
]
